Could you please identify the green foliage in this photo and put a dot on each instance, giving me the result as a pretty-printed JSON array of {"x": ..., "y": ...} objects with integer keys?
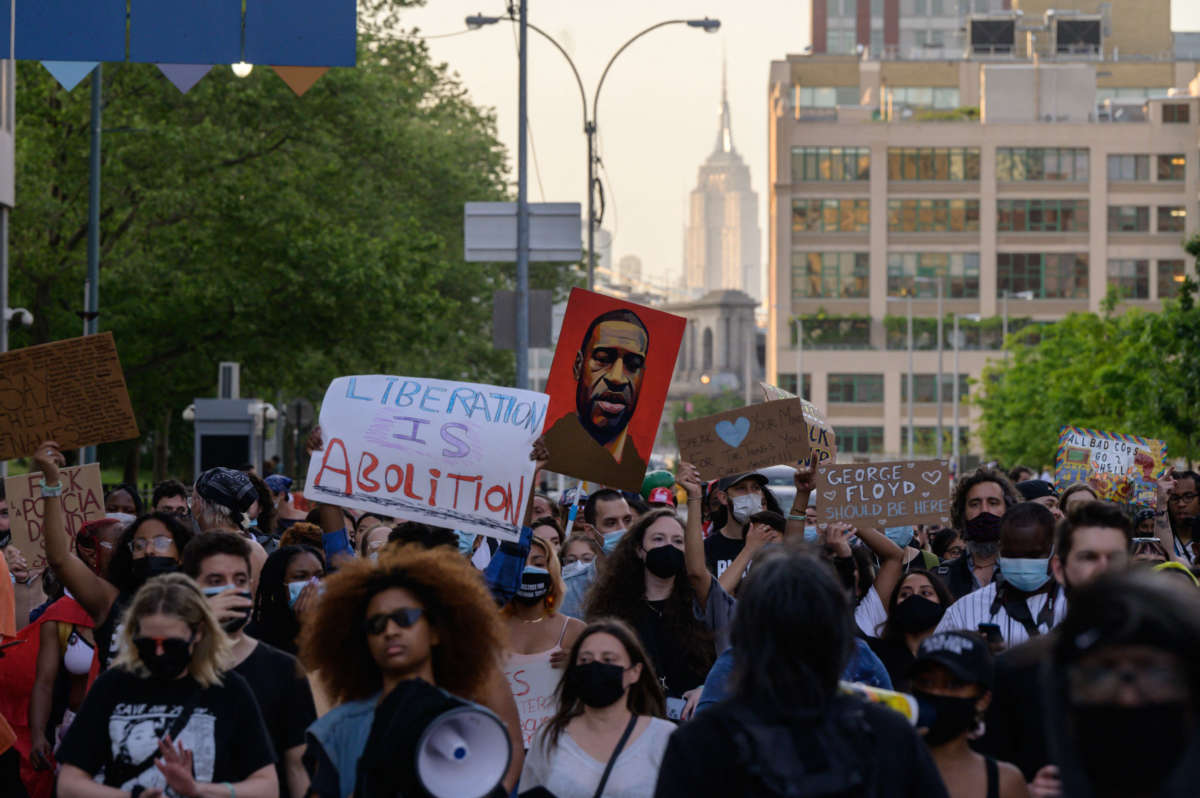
[
  {"x": 1137, "y": 373},
  {"x": 303, "y": 237}
]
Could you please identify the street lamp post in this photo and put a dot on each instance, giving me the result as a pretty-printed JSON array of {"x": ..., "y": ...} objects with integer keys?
[{"x": 589, "y": 122}]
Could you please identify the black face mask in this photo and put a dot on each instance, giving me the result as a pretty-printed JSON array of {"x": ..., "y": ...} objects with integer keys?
[
  {"x": 917, "y": 614},
  {"x": 149, "y": 567},
  {"x": 175, "y": 656},
  {"x": 5, "y": 538},
  {"x": 1109, "y": 738},
  {"x": 598, "y": 684},
  {"x": 665, "y": 561},
  {"x": 951, "y": 717},
  {"x": 534, "y": 587},
  {"x": 983, "y": 528}
]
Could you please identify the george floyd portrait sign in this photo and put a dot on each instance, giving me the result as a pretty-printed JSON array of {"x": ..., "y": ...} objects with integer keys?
[{"x": 607, "y": 387}]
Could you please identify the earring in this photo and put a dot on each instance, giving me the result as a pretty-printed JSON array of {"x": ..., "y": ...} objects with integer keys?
[{"x": 980, "y": 727}]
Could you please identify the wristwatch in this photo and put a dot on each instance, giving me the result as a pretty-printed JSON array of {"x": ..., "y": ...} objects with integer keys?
[{"x": 137, "y": 790}]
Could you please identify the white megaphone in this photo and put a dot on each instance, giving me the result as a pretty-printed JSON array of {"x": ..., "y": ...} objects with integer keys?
[{"x": 463, "y": 753}]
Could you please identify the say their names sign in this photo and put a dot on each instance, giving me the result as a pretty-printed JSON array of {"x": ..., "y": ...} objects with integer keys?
[
  {"x": 884, "y": 494},
  {"x": 451, "y": 454},
  {"x": 71, "y": 392},
  {"x": 741, "y": 440},
  {"x": 82, "y": 501}
]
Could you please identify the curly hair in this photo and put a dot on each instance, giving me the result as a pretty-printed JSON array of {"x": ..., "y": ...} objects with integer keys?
[
  {"x": 470, "y": 634},
  {"x": 958, "y": 505},
  {"x": 620, "y": 589},
  {"x": 302, "y": 533}
]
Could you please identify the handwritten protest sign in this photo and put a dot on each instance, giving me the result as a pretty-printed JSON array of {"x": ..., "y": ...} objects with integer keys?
[
  {"x": 607, "y": 385},
  {"x": 1119, "y": 468},
  {"x": 82, "y": 501},
  {"x": 533, "y": 685},
  {"x": 822, "y": 443},
  {"x": 741, "y": 440},
  {"x": 453, "y": 454},
  {"x": 71, "y": 392},
  {"x": 885, "y": 494}
]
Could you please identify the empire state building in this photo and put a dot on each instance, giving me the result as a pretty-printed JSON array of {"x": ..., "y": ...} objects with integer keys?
[{"x": 723, "y": 243}]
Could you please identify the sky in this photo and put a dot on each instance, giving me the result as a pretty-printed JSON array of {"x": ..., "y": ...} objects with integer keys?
[{"x": 658, "y": 114}]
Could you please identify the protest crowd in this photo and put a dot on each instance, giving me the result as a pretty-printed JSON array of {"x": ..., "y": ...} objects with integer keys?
[{"x": 709, "y": 634}]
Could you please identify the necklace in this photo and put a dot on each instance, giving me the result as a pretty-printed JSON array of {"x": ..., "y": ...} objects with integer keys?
[
  {"x": 653, "y": 609},
  {"x": 535, "y": 620}
]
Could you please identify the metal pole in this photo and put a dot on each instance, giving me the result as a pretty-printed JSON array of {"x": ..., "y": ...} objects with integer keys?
[
  {"x": 954, "y": 440},
  {"x": 911, "y": 397},
  {"x": 522, "y": 337},
  {"x": 590, "y": 129},
  {"x": 1004, "y": 328},
  {"x": 91, "y": 321},
  {"x": 800, "y": 357},
  {"x": 940, "y": 311}
]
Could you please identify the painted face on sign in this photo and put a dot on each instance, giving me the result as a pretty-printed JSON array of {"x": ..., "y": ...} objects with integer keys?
[{"x": 609, "y": 371}]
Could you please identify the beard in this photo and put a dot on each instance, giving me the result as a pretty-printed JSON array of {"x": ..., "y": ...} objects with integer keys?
[
  {"x": 605, "y": 423},
  {"x": 984, "y": 550}
]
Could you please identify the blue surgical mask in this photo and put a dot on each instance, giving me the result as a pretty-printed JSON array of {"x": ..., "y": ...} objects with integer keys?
[
  {"x": 1025, "y": 574},
  {"x": 294, "y": 589},
  {"x": 466, "y": 542},
  {"x": 216, "y": 590},
  {"x": 810, "y": 534},
  {"x": 611, "y": 539},
  {"x": 572, "y": 569},
  {"x": 900, "y": 535}
]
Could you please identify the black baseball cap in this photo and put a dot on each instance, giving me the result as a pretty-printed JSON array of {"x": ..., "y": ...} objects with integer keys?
[
  {"x": 725, "y": 483},
  {"x": 964, "y": 654},
  {"x": 1032, "y": 489}
]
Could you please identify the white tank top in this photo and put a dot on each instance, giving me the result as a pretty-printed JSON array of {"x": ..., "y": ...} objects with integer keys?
[{"x": 78, "y": 657}]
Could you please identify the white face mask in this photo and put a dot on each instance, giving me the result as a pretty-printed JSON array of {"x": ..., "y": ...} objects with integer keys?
[{"x": 745, "y": 506}]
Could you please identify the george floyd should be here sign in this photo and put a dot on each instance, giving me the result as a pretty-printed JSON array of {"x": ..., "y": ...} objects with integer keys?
[
  {"x": 741, "y": 440},
  {"x": 884, "y": 494}
]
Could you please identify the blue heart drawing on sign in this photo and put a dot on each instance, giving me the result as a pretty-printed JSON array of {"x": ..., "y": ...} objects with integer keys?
[{"x": 733, "y": 432}]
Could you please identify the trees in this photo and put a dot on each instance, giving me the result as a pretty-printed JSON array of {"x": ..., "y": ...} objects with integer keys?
[
  {"x": 1136, "y": 372},
  {"x": 304, "y": 237}
]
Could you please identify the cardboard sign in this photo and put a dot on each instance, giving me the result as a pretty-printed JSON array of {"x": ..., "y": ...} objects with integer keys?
[
  {"x": 822, "y": 443},
  {"x": 533, "y": 685},
  {"x": 71, "y": 392},
  {"x": 741, "y": 440},
  {"x": 82, "y": 501},
  {"x": 607, "y": 387},
  {"x": 1119, "y": 468},
  {"x": 883, "y": 495},
  {"x": 451, "y": 454}
]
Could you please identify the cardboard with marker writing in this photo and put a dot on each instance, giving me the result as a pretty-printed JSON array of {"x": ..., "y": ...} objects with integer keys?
[
  {"x": 71, "y": 392},
  {"x": 822, "y": 441},
  {"x": 607, "y": 385},
  {"x": 82, "y": 501},
  {"x": 736, "y": 441},
  {"x": 532, "y": 683},
  {"x": 884, "y": 494}
]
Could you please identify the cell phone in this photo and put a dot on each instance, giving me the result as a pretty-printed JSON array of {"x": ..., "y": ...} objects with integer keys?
[
  {"x": 991, "y": 633},
  {"x": 1139, "y": 541}
]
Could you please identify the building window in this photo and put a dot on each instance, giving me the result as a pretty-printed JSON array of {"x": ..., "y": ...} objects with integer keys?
[
  {"x": 830, "y": 215},
  {"x": 1128, "y": 219},
  {"x": 1175, "y": 112},
  {"x": 1171, "y": 218},
  {"x": 1130, "y": 277},
  {"x": 830, "y": 96},
  {"x": 933, "y": 216},
  {"x": 832, "y": 164},
  {"x": 844, "y": 275},
  {"x": 1170, "y": 167},
  {"x": 787, "y": 381},
  {"x": 856, "y": 388},
  {"x": 1046, "y": 275},
  {"x": 960, "y": 271},
  {"x": 1042, "y": 216},
  {"x": 936, "y": 97},
  {"x": 859, "y": 440},
  {"x": 933, "y": 163},
  {"x": 924, "y": 386},
  {"x": 1170, "y": 277},
  {"x": 1128, "y": 167},
  {"x": 925, "y": 439},
  {"x": 1017, "y": 164}
]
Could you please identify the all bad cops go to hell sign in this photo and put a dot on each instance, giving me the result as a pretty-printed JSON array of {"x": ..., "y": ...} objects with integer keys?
[
  {"x": 885, "y": 494},
  {"x": 452, "y": 454}
]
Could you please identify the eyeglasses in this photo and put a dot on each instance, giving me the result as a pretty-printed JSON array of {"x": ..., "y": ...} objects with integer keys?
[
  {"x": 1181, "y": 498},
  {"x": 181, "y": 512},
  {"x": 954, "y": 553},
  {"x": 1100, "y": 684},
  {"x": 161, "y": 544},
  {"x": 404, "y": 618}
]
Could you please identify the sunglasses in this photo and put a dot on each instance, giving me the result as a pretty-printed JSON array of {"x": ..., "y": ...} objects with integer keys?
[
  {"x": 147, "y": 647},
  {"x": 404, "y": 618}
]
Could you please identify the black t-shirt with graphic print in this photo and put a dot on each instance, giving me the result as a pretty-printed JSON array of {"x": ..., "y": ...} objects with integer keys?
[
  {"x": 720, "y": 552},
  {"x": 124, "y": 716}
]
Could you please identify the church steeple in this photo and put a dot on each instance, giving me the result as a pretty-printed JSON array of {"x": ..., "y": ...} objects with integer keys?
[{"x": 725, "y": 132}]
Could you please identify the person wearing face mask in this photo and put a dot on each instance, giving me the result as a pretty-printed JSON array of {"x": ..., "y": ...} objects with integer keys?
[
  {"x": 167, "y": 718},
  {"x": 951, "y": 680},
  {"x": 537, "y": 632},
  {"x": 980, "y": 501},
  {"x": 220, "y": 564},
  {"x": 148, "y": 547},
  {"x": 1027, "y": 602},
  {"x": 915, "y": 608},
  {"x": 579, "y": 551},
  {"x": 738, "y": 497},
  {"x": 657, "y": 582},
  {"x": 1121, "y": 689},
  {"x": 607, "y": 737},
  {"x": 288, "y": 590},
  {"x": 607, "y": 512},
  {"x": 915, "y": 556}
]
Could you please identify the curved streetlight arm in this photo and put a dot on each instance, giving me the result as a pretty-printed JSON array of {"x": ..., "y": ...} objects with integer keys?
[
  {"x": 604, "y": 74},
  {"x": 570, "y": 63}
]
